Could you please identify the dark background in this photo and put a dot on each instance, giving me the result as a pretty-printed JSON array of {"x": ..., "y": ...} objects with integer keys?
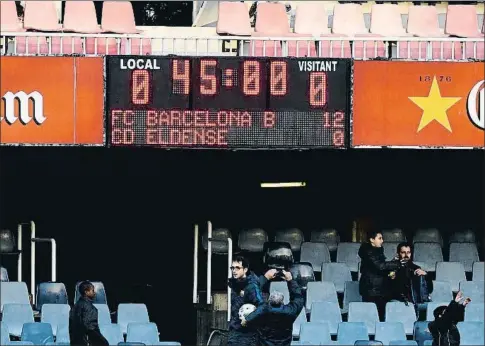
[{"x": 126, "y": 216}]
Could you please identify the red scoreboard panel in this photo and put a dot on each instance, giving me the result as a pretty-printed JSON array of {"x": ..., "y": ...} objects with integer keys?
[{"x": 228, "y": 102}]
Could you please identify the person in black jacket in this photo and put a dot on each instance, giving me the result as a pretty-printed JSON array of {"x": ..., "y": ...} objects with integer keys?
[
  {"x": 245, "y": 289},
  {"x": 274, "y": 320},
  {"x": 83, "y": 319},
  {"x": 374, "y": 273},
  {"x": 443, "y": 328}
]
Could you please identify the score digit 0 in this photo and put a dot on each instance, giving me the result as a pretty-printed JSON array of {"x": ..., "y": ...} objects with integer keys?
[
  {"x": 278, "y": 82},
  {"x": 140, "y": 86},
  {"x": 318, "y": 89}
]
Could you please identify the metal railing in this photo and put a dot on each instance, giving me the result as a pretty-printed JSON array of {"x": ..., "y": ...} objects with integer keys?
[{"x": 406, "y": 48}]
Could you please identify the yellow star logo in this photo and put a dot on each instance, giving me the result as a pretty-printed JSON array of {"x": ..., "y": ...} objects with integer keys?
[{"x": 434, "y": 107}]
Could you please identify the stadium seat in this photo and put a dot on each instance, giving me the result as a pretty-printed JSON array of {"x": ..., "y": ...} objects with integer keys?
[
  {"x": 474, "y": 290},
  {"x": 348, "y": 253},
  {"x": 37, "y": 333},
  {"x": 3, "y": 275},
  {"x": 328, "y": 312},
  {"x": 270, "y": 21},
  {"x": 303, "y": 273},
  {"x": 98, "y": 289},
  {"x": 50, "y": 293},
  {"x": 146, "y": 333},
  {"x": 421, "y": 332},
  {"x": 351, "y": 294},
  {"x": 349, "y": 332},
  {"x": 471, "y": 333},
  {"x": 467, "y": 236},
  {"x": 15, "y": 315},
  {"x": 282, "y": 287},
  {"x": 364, "y": 312},
  {"x": 389, "y": 331},
  {"x": 4, "y": 334},
  {"x": 315, "y": 254},
  {"x": 390, "y": 249},
  {"x": 395, "y": 235},
  {"x": 442, "y": 291},
  {"x": 315, "y": 333},
  {"x": 474, "y": 312},
  {"x": 62, "y": 334},
  {"x": 298, "y": 322},
  {"x": 386, "y": 21},
  {"x": 453, "y": 272},
  {"x": 132, "y": 313},
  {"x": 320, "y": 292},
  {"x": 218, "y": 247},
  {"x": 277, "y": 255},
  {"x": 14, "y": 293},
  {"x": 55, "y": 314},
  {"x": 112, "y": 332},
  {"x": 429, "y": 235},
  {"x": 399, "y": 312},
  {"x": 327, "y": 236},
  {"x": 104, "y": 316},
  {"x": 80, "y": 16},
  {"x": 41, "y": 16},
  {"x": 9, "y": 21},
  {"x": 431, "y": 306},
  {"x": 429, "y": 254},
  {"x": 310, "y": 20},
  {"x": 466, "y": 253},
  {"x": 233, "y": 19},
  {"x": 252, "y": 240},
  {"x": 462, "y": 21},
  {"x": 403, "y": 343},
  {"x": 292, "y": 236},
  {"x": 118, "y": 17},
  {"x": 338, "y": 273},
  {"x": 478, "y": 271}
]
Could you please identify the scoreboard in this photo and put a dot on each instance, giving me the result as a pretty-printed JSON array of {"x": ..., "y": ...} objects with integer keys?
[{"x": 228, "y": 102}]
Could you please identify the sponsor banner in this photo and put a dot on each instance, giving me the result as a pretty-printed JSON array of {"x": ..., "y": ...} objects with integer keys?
[
  {"x": 418, "y": 104},
  {"x": 52, "y": 101}
]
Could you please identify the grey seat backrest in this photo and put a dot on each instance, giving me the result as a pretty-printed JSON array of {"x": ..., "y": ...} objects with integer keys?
[
  {"x": 390, "y": 249},
  {"x": 292, "y": 236},
  {"x": 471, "y": 333},
  {"x": 442, "y": 291},
  {"x": 467, "y": 236},
  {"x": 364, "y": 312},
  {"x": 298, "y": 322},
  {"x": 349, "y": 253},
  {"x": 474, "y": 312},
  {"x": 388, "y": 331},
  {"x": 218, "y": 247},
  {"x": 327, "y": 236},
  {"x": 429, "y": 235},
  {"x": 349, "y": 332},
  {"x": 14, "y": 292},
  {"x": 112, "y": 333},
  {"x": 453, "y": 272},
  {"x": 316, "y": 254},
  {"x": 315, "y": 333},
  {"x": 429, "y": 254},
  {"x": 55, "y": 315},
  {"x": 320, "y": 292},
  {"x": 280, "y": 286},
  {"x": 132, "y": 313},
  {"x": 393, "y": 235},
  {"x": 474, "y": 290},
  {"x": 466, "y": 253},
  {"x": 3, "y": 274},
  {"x": 252, "y": 240},
  {"x": 400, "y": 312},
  {"x": 338, "y": 273},
  {"x": 327, "y": 312},
  {"x": 478, "y": 271},
  {"x": 104, "y": 316},
  {"x": 351, "y": 294},
  {"x": 50, "y": 293}
]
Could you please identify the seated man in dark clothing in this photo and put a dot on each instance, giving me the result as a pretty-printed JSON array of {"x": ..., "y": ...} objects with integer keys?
[
  {"x": 83, "y": 319},
  {"x": 410, "y": 283},
  {"x": 274, "y": 320},
  {"x": 443, "y": 328}
]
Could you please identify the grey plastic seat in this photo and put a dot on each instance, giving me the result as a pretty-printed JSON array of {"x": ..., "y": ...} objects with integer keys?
[
  {"x": 55, "y": 314},
  {"x": 252, "y": 240},
  {"x": 316, "y": 254},
  {"x": 364, "y": 312},
  {"x": 98, "y": 289},
  {"x": 14, "y": 293},
  {"x": 146, "y": 333},
  {"x": 4, "y": 334},
  {"x": 320, "y": 292},
  {"x": 452, "y": 272},
  {"x": 348, "y": 253},
  {"x": 104, "y": 316},
  {"x": 327, "y": 236},
  {"x": 390, "y": 249},
  {"x": 421, "y": 332},
  {"x": 403, "y": 343},
  {"x": 389, "y": 331},
  {"x": 37, "y": 333},
  {"x": 465, "y": 253},
  {"x": 478, "y": 271},
  {"x": 431, "y": 306},
  {"x": 7, "y": 241},
  {"x": 292, "y": 236},
  {"x": 399, "y": 312},
  {"x": 338, "y": 273},
  {"x": 429, "y": 235},
  {"x": 62, "y": 334},
  {"x": 474, "y": 312},
  {"x": 282, "y": 287},
  {"x": 328, "y": 312},
  {"x": 303, "y": 273},
  {"x": 50, "y": 293},
  {"x": 218, "y": 247},
  {"x": 298, "y": 322},
  {"x": 467, "y": 236},
  {"x": 474, "y": 290},
  {"x": 442, "y": 291},
  {"x": 429, "y": 254},
  {"x": 351, "y": 294},
  {"x": 15, "y": 315},
  {"x": 132, "y": 313},
  {"x": 349, "y": 332},
  {"x": 112, "y": 332},
  {"x": 3, "y": 275},
  {"x": 315, "y": 333},
  {"x": 395, "y": 235},
  {"x": 471, "y": 333}
]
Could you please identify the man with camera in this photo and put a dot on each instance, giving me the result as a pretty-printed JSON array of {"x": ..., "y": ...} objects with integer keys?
[{"x": 274, "y": 320}]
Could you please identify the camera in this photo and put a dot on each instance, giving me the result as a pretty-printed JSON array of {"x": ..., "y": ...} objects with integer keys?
[{"x": 279, "y": 274}]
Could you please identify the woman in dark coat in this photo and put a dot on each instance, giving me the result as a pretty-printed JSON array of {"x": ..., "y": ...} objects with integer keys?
[{"x": 374, "y": 273}]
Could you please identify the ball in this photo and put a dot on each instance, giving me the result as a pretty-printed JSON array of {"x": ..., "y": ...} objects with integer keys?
[{"x": 245, "y": 310}]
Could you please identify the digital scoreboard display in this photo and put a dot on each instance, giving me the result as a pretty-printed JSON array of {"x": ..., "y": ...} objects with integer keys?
[{"x": 228, "y": 102}]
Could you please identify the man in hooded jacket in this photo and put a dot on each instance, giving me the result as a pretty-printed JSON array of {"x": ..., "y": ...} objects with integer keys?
[{"x": 245, "y": 289}]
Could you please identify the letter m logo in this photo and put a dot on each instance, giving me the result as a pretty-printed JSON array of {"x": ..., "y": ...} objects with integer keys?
[{"x": 22, "y": 99}]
